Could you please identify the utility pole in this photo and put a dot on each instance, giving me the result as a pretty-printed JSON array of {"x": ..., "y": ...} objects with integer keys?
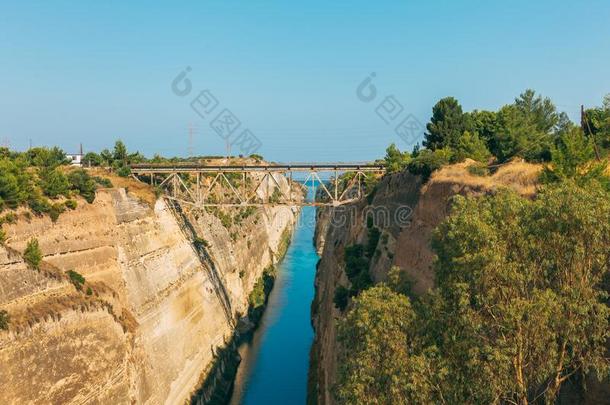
[
  {"x": 584, "y": 120},
  {"x": 191, "y": 148}
]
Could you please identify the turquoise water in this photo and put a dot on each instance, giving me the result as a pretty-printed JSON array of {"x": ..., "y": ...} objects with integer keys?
[{"x": 275, "y": 362}]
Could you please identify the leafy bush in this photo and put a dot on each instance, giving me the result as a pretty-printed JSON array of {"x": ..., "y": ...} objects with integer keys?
[
  {"x": 4, "y": 320},
  {"x": 123, "y": 171},
  {"x": 56, "y": 210},
  {"x": 373, "y": 240},
  {"x": 2, "y": 236},
  {"x": 357, "y": 268},
  {"x": 276, "y": 196},
  {"x": 103, "y": 181},
  {"x": 39, "y": 204},
  {"x": 71, "y": 204},
  {"x": 10, "y": 218},
  {"x": 399, "y": 281},
  {"x": 83, "y": 183},
  {"x": 341, "y": 297},
  {"x": 32, "y": 254},
  {"x": 478, "y": 169},
  {"x": 199, "y": 241},
  {"x": 76, "y": 279},
  {"x": 428, "y": 161},
  {"x": 258, "y": 296}
]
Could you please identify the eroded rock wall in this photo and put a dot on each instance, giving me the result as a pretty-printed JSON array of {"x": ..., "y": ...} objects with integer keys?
[
  {"x": 148, "y": 329},
  {"x": 406, "y": 211}
]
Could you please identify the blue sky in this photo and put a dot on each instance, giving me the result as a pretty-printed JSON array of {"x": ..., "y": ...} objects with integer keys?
[{"x": 93, "y": 72}]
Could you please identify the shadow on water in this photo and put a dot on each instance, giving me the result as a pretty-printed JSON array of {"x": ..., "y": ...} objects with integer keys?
[{"x": 275, "y": 359}]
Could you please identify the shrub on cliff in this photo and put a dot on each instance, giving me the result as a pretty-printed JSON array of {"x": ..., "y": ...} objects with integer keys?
[
  {"x": 341, "y": 297},
  {"x": 258, "y": 296},
  {"x": 71, "y": 204},
  {"x": 32, "y": 254},
  {"x": 2, "y": 236},
  {"x": 4, "y": 320},
  {"x": 56, "y": 210},
  {"x": 428, "y": 161},
  {"x": 395, "y": 160},
  {"x": 83, "y": 183},
  {"x": 76, "y": 279}
]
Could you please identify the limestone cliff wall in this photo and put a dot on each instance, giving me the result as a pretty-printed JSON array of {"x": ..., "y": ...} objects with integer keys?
[
  {"x": 147, "y": 330},
  {"x": 406, "y": 212}
]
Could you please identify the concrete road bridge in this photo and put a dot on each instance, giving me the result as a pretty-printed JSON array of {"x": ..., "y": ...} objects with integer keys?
[{"x": 264, "y": 184}]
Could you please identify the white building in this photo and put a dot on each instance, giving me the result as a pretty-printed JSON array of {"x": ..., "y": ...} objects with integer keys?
[{"x": 75, "y": 159}]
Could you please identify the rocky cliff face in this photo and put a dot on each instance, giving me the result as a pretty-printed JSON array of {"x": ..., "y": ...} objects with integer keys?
[
  {"x": 156, "y": 306},
  {"x": 405, "y": 211}
]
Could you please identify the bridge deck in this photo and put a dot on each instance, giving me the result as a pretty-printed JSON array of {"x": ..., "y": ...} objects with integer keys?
[{"x": 298, "y": 167}]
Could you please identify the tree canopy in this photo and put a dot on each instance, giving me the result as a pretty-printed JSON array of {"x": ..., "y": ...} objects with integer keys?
[{"x": 519, "y": 306}]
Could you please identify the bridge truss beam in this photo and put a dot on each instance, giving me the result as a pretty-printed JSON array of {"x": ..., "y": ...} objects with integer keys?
[{"x": 190, "y": 184}]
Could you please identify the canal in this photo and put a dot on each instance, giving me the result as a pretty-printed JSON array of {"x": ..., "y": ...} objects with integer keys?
[{"x": 275, "y": 360}]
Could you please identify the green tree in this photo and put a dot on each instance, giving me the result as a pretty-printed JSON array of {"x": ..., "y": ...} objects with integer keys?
[
  {"x": 447, "y": 124},
  {"x": 93, "y": 159},
  {"x": 470, "y": 146},
  {"x": 526, "y": 128},
  {"x": 519, "y": 308},
  {"x": 570, "y": 158},
  {"x": 120, "y": 151},
  {"x": 395, "y": 160},
  {"x": 399, "y": 281},
  {"x": 597, "y": 124},
  {"x": 32, "y": 254},
  {"x": 382, "y": 362},
  {"x": 106, "y": 157},
  {"x": 46, "y": 158},
  {"x": 484, "y": 123},
  {"x": 10, "y": 191},
  {"x": 54, "y": 183}
]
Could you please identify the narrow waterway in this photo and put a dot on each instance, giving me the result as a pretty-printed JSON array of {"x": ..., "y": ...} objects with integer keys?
[{"x": 275, "y": 362}]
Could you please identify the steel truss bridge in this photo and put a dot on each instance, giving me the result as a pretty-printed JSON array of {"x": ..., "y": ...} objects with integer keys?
[{"x": 193, "y": 184}]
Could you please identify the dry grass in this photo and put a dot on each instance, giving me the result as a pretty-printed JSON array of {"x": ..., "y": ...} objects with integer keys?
[
  {"x": 142, "y": 191},
  {"x": 518, "y": 175}
]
